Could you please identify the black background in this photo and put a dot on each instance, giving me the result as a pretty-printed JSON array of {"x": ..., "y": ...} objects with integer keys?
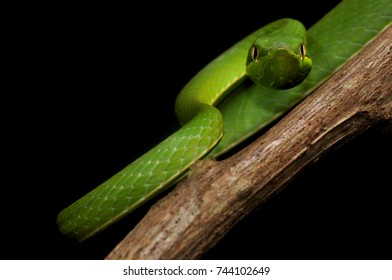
[{"x": 95, "y": 88}]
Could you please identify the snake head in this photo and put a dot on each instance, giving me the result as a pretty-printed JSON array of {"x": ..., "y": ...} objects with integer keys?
[
  {"x": 278, "y": 57},
  {"x": 280, "y": 67}
]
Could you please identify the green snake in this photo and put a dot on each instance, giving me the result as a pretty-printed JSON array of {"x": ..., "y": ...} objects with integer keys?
[{"x": 234, "y": 96}]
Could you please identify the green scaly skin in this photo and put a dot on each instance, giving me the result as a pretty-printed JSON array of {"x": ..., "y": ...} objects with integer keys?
[
  {"x": 249, "y": 107},
  {"x": 332, "y": 41}
]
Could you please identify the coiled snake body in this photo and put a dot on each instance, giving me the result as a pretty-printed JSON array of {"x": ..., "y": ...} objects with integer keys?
[{"x": 220, "y": 107}]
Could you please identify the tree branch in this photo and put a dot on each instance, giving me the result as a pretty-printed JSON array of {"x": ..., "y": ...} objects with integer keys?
[{"x": 204, "y": 207}]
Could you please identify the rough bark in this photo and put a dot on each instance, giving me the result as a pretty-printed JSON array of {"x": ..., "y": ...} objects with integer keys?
[{"x": 216, "y": 195}]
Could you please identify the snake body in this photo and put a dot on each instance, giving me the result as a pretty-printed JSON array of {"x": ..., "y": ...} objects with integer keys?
[{"x": 220, "y": 107}]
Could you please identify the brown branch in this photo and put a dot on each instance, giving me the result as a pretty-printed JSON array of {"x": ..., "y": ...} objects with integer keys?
[{"x": 216, "y": 195}]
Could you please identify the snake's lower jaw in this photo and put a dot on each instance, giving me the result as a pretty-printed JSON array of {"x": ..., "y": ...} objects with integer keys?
[{"x": 280, "y": 69}]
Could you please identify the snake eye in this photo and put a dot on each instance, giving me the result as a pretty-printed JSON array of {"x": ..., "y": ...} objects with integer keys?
[
  {"x": 302, "y": 50},
  {"x": 254, "y": 54}
]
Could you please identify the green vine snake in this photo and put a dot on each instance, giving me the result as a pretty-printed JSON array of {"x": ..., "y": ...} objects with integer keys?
[{"x": 235, "y": 95}]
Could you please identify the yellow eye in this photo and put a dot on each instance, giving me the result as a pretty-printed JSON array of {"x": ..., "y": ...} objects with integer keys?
[
  {"x": 302, "y": 51},
  {"x": 254, "y": 54}
]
